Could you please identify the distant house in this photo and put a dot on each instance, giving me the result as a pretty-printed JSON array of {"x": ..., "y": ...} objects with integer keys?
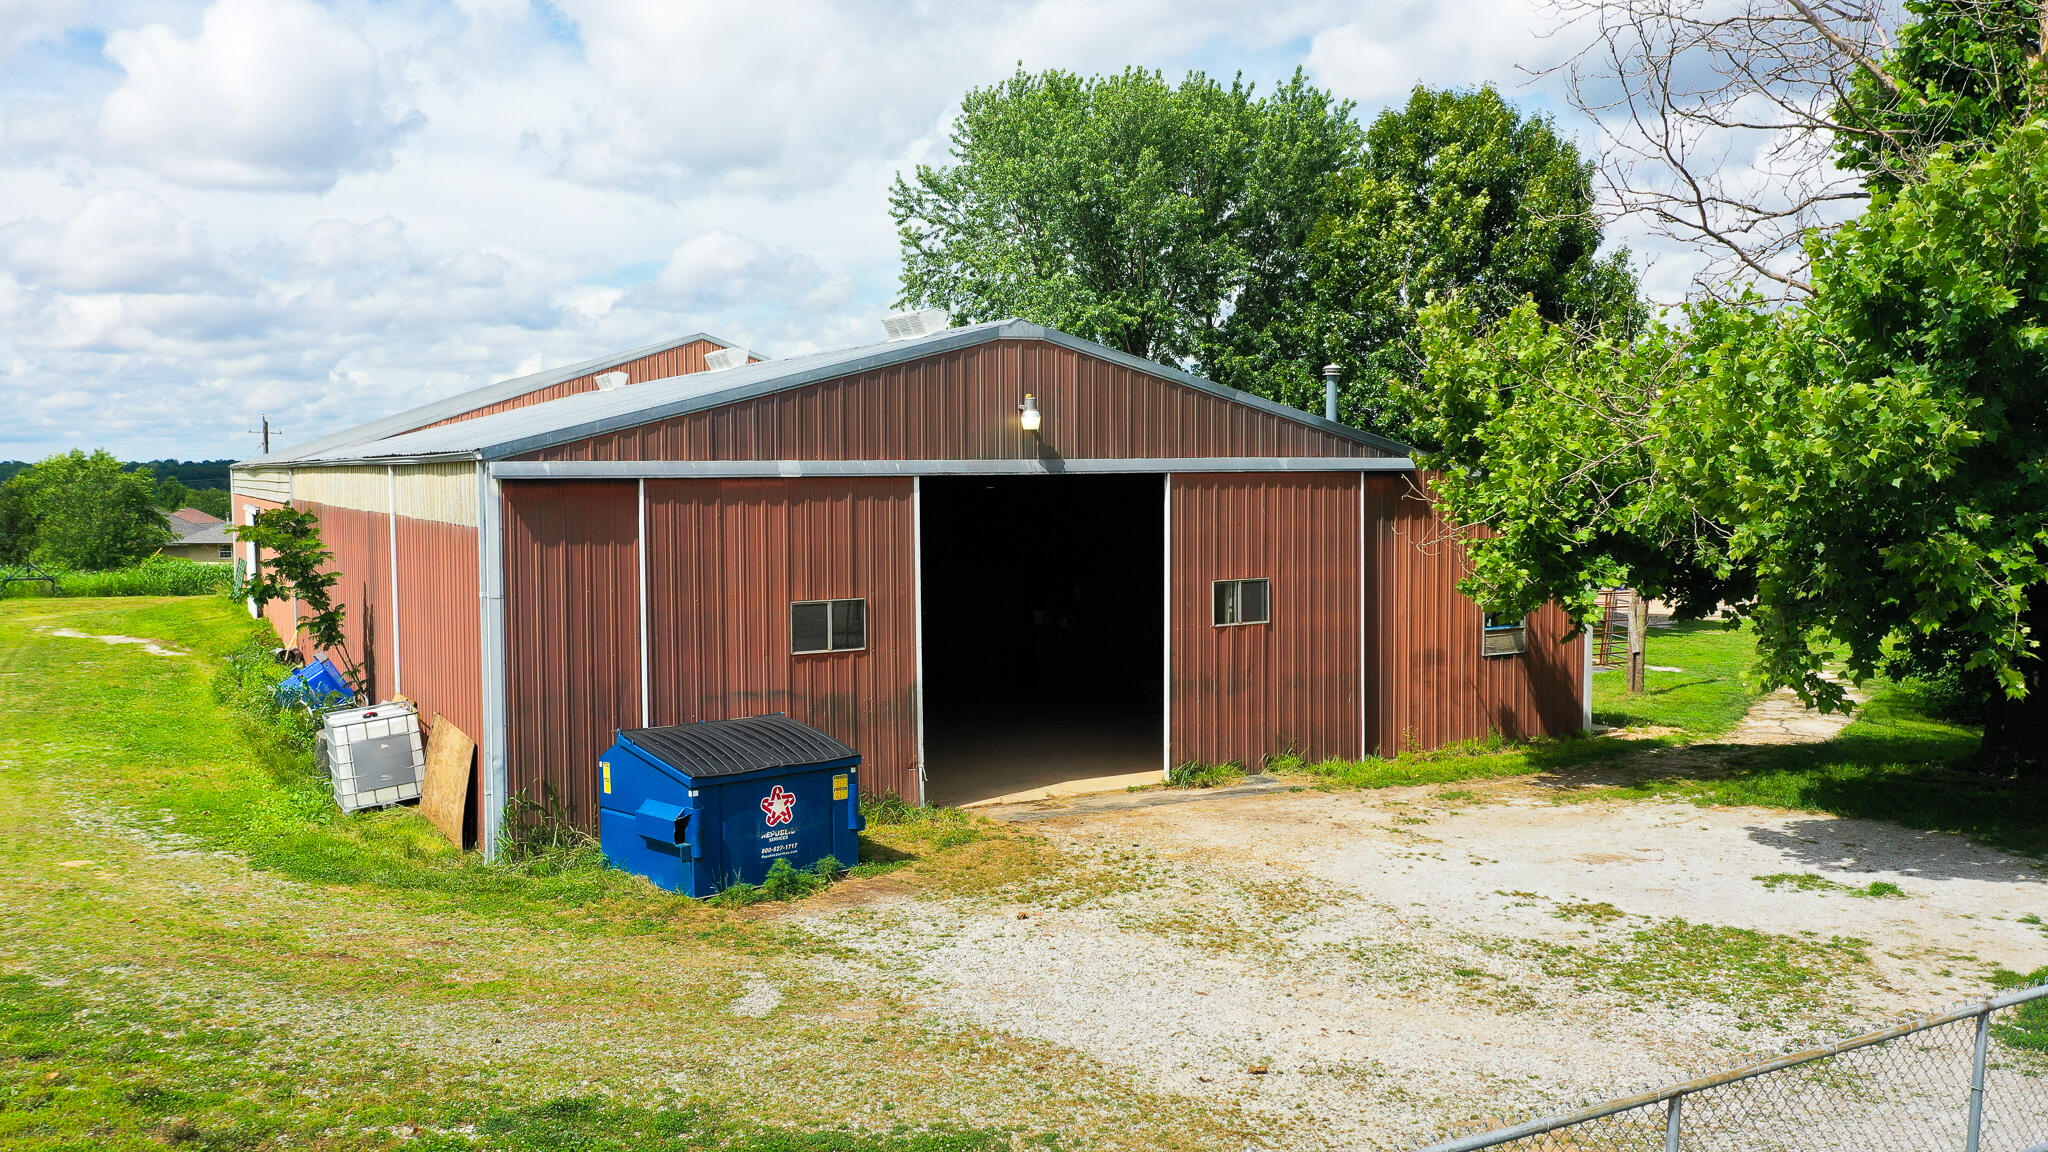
[{"x": 200, "y": 537}]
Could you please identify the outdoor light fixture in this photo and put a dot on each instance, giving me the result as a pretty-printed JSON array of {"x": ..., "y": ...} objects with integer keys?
[{"x": 1029, "y": 408}]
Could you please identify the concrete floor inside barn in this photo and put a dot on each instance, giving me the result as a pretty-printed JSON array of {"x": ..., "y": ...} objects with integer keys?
[{"x": 998, "y": 759}]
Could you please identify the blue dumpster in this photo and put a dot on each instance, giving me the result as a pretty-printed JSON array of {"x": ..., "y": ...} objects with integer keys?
[{"x": 697, "y": 808}]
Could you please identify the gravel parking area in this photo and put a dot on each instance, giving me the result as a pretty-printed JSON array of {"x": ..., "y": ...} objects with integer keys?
[{"x": 1364, "y": 968}]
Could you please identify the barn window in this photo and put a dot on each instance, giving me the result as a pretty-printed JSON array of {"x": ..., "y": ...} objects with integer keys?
[
  {"x": 1505, "y": 635},
  {"x": 828, "y": 625},
  {"x": 1244, "y": 601}
]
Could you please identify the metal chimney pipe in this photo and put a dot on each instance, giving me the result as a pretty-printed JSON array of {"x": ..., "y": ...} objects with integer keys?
[{"x": 1330, "y": 374}]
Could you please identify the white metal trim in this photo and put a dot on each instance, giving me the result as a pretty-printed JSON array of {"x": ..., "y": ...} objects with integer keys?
[
  {"x": 917, "y": 615},
  {"x": 255, "y": 613},
  {"x": 1364, "y": 666},
  {"x": 640, "y": 547},
  {"x": 397, "y": 644},
  {"x": 495, "y": 774},
  {"x": 685, "y": 469},
  {"x": 1166, "y": 643}
]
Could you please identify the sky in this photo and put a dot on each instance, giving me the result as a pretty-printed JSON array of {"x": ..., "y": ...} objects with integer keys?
[{"x": 323, "y": 213}]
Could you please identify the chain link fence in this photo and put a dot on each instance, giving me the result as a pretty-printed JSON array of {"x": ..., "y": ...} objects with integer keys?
[{"x": 1974, "y": 1079}]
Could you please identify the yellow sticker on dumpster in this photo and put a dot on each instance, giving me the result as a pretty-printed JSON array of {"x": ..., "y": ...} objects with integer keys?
[
  {"x": 607, "y": 766},
  {"x": 839, "y": 787}
]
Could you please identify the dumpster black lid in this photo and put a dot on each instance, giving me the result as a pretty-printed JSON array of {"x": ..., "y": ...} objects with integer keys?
[{"x": 730, "y": 747}]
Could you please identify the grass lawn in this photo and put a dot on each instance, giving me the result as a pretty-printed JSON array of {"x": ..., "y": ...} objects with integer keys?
[
  {"x": 1894, "y": 762},
  {"x": 201, "y": 951},
  {"x": 1707, "y": 697}
]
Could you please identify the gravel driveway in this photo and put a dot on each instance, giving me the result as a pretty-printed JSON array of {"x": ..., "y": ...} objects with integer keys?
[{"x": 1363, "y": 968}]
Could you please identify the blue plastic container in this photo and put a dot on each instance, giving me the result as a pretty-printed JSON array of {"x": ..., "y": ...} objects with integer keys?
[
  {"x": 316, "y": 685},
  {"x": 697, "y": 808}
]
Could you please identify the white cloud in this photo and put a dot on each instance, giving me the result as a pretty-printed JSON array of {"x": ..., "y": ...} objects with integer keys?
[
  {"x": 22, "y": 21},
  {"x": 124, "y": 240},
  {"x": 271, "y": 94},
  {"x": 1381, "y": 54},
  {"x": 329, "y": 212}
]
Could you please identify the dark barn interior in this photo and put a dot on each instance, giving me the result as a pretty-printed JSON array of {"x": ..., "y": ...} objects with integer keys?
[{"x": 1043, "y": 632}]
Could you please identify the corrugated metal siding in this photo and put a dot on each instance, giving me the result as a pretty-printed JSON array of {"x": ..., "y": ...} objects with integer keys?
[
  {"x": 273, "y": 484},
  {"x": 677, "y": 361},
  {"x": 439, "y": 614},
  {"x": 367, "y": 489},
  {"x": 724, "y": 561},
  {"x": 572, "y": 624},
  {"x": 438, "y": 631},
  {"x": 445, "y": 493},
  {"x": 1245, "y": 692},
  {"x": 1430, "y": 686},
  {"x": 963, "y": 405},
  {"x": 361, "y": 544}
]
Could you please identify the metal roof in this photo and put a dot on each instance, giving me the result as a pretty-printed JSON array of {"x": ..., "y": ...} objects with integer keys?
[
  {"x": 214, "y": 533},
  {"x": 456, "y": 405},
  {"x": 589, "y": 414}
]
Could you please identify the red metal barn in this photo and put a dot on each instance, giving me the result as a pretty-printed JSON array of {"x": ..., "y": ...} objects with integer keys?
[{"x": 874, "y": 542}]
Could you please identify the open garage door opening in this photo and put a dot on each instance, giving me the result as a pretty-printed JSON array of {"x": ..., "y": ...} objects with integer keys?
[{"x": 1044, "y": 634}]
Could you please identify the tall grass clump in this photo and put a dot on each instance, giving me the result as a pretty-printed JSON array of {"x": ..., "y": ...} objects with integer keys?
[
  {"x": 1193, "y": 775},
  {"x": 156, "y": 576}
]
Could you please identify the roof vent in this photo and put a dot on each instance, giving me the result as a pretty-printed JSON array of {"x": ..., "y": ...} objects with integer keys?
[
  {"x": 904, "y": 325},
  {"x": 726, "y": 358},
  {"x": 606, "y": 381}
]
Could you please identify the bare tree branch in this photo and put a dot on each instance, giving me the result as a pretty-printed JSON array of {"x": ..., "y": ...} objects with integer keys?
[{"x": 1848, "y": 48}]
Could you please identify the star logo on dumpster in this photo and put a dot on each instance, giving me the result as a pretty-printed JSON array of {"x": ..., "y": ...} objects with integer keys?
[{"x": 779, "y": 806}]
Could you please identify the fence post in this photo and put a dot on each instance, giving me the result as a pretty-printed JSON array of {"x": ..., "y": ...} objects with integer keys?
[
  {"x": 1672, "y": 1122},
  {"x": 1977, "y": 1066}
]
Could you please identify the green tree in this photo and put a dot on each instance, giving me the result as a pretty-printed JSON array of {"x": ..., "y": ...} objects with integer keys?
[
  {"x": 1550, "y": 455},
  {"x": 172, "y": 494},
  {"x": 1121, "y": 208},
  {"x": 293, "y": 563},
  {"x": 1898, "y": 505},
  {"x": 17, "y": 527},
  {"x": 1457, "y": 194},
  {"x": 89, "y": 513},
  {"x": 1867, "y": 472},
  {"x": 1961, "y": 73}
]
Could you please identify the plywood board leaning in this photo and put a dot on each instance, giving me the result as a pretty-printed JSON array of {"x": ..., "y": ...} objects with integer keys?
[{"x": 445, "y": 797}]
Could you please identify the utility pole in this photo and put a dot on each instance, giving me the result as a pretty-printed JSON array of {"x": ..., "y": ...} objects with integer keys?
[{"x": 265, "y": 433}]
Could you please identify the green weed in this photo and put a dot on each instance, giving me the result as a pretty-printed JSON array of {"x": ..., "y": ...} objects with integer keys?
[
  {"x": 1755, "y": 974},
  {"x": 784, "y": 882},
  {"x": 1813, "y": 882},
  {"x": 2026, "y": 1026},
  {"x": 1193, "y": 775},
  {"x": 1489, "y": 758}
]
